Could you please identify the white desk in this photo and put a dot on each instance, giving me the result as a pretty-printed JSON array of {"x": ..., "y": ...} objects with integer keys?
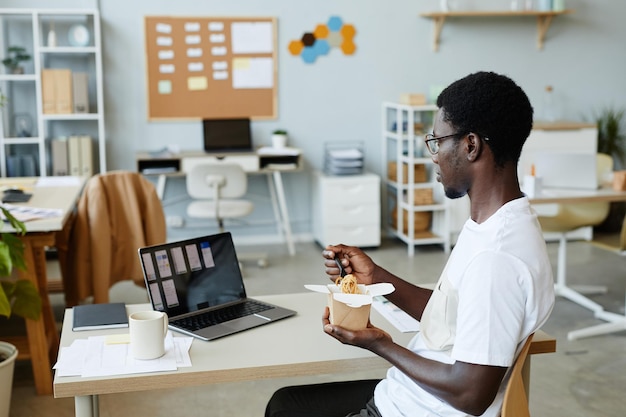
[
  {"x": 295, "y": 346},
  {"x": 616, "y": 322},
  {"x": 42, "y": 340},
  {"x": 253, "y": 163}
]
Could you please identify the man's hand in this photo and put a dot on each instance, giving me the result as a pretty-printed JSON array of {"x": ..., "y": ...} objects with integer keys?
[
  {"x": 370, "y": 338},
  {"x": 354, "y": 262}
]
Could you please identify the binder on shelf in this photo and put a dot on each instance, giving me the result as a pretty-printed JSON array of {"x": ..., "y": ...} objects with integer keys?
[
  {"x": 29, "y": 167},
  {"x": 56, "y": 91},
  {"x": 80, "y": 92},
  {"x": 63, "y": 91},
  {"x": 14, "y": 166},
  {"x": 80, "y": 155},
  {"x": 48, "y": 95},
  {"x": 59, "y": 151},
  {"x": 86, "y": 156},
  {"x": 73, "y": 155}
]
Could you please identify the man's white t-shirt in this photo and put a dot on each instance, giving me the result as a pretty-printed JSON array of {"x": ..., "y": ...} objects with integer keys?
[{"x": 495, "y": 290}]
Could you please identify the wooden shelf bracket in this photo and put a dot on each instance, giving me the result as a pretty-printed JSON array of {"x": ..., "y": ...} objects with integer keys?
[
  {"x": 543, "y": 23},
  {"x": 544, "y": 19}
]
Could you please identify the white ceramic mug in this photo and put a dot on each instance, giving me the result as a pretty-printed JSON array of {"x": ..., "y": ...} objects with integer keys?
[{"x": 147, "y": 334}]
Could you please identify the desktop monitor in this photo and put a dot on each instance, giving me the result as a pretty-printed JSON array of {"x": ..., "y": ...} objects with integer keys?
[{"x": 227, "y": 135}]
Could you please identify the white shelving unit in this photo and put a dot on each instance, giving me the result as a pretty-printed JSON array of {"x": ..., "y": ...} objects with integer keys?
[
  {"x": 403, "y": 130},
  {"x": 30, "y": 28}
]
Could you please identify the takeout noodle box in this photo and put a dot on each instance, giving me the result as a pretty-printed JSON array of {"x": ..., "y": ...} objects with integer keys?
[{"x": 351, "y": 311}]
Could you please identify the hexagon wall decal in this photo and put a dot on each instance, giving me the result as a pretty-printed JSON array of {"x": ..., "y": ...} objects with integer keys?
[{"x": 332, "y": 34}]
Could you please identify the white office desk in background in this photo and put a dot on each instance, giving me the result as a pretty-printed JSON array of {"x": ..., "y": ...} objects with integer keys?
[{"x": 265, "y": 161}]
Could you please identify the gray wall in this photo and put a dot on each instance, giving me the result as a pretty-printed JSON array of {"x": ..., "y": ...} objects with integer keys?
[{"x": 339, "y": 97}]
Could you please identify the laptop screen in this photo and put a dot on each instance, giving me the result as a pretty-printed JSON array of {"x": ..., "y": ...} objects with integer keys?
[
  {"x": 227, "y": 135},
  {"x": 193, "y": 274}
]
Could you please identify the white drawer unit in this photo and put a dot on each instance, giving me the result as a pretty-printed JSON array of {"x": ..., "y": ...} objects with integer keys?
[
  {"x": 346, "y": 209},
  {"x": 249, "y": 162}
]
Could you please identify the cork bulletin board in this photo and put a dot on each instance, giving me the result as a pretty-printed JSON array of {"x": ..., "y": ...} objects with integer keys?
[{"x": 211, "y": 67}]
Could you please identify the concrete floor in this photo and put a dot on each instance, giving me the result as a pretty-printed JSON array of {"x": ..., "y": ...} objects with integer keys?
[{"x": 583, "y": 378}]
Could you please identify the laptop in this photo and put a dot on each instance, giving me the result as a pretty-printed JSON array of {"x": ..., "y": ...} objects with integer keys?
[
  {"x": 198, "y": 283},
  {"x": 567, "y": 170},
  {"x": 227, "y": 135}
]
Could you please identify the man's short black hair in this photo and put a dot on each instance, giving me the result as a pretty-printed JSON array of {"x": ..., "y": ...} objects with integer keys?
[{"x": 492, "y": 106}]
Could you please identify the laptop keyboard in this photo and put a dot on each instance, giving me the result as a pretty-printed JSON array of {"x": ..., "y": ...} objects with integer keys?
[{"x": 211, "y": 318}]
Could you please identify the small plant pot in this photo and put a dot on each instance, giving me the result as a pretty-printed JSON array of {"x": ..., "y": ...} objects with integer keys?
[
  {"x": 279, "y": 140},
  {"x": 8, "y": 354},
  {"x": 18, "y": 71}
]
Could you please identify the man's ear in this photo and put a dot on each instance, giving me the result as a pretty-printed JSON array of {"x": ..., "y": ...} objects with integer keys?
[{"x": 473, "y": 145}]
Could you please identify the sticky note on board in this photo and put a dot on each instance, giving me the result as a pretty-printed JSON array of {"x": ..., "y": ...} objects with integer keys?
[
  {"x": 241, "y": 63},
  {"x": 165, "y": 87},
  {"x": 197, "y": 83},
  {"x": 220, "y": 75}
]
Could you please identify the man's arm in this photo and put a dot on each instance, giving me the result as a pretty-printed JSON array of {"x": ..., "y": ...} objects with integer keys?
[
  {"x": 410, "y": 298},
  {"x": 467, "y": 387}
]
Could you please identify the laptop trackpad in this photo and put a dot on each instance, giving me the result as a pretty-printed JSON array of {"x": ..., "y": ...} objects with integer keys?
[{"x": 245, "y": 323}]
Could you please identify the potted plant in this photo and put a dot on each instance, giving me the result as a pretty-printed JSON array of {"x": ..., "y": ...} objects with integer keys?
[
  {"x": 17, "y": 54},
  {"x": 279, "y": 138},
  {"x": 17, "y": 297},
  {"x": 611, "y": 137},
  {"x": 612, "y": 141}
]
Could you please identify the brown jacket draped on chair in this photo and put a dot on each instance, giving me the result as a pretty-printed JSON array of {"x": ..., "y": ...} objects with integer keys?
[{"x": 117, "y": 213}]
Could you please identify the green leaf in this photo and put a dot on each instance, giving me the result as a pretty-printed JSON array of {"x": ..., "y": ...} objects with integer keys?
[
  {"x": 5, "y": 305},
  {"x": 19, "y": 297},
  {"x": 16, "y": 250},
  {"x": 27, "y": 302},
  {"x": 6, "y": 263},
  {"x": 19, "y": 226}
]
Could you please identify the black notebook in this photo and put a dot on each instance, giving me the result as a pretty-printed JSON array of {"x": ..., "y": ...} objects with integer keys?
[{"x": 99, "y": 316}]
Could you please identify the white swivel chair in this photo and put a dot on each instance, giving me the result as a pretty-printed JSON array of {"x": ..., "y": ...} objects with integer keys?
[
  {"x": 566, "y": 218},
  {"x": 217, "y": 189}
]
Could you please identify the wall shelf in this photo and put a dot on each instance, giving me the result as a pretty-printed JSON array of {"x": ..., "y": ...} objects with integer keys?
[{"x": 544, "y": 18}]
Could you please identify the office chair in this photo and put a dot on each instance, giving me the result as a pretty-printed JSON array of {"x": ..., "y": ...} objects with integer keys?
[
  {"x": 567, "y": 218},
  {"x": 217, "y": 189},
  {"x": 515, "y": 395}
]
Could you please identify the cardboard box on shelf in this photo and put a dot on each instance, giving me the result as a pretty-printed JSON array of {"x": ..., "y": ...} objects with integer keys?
[
  {"x": 423, "y": 196},
  {"x": 421, "y": 221},
  {"x": 351, "y": 311},
  {"x": 413, "y": 99},
  {"x": 419, "y": 172}
]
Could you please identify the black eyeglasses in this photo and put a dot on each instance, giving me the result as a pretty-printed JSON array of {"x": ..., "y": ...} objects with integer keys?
[{"x": 432, "y": 141}]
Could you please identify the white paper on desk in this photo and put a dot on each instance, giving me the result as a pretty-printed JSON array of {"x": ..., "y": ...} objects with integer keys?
[
  {"x": 394, "y": 315},
  {"x": 26, "y": 213},
  {"x": 93, "y": 357},
  {"x": 60, "y": 181},
  {"x": 71, "y": 358},
  {"x": 104, "y": 360}
]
